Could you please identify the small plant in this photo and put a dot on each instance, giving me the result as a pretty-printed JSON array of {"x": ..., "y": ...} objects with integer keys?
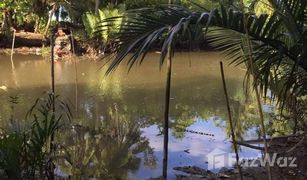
[{"x": 27, "y": 154}]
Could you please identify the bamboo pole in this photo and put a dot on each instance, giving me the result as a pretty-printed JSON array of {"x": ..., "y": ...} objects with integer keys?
[
  {"x": 252, "y": 70},
  {"x": 166, "y": 111},
  {"x": 75, "y": 63},
  {"x": 166, "y": 114},
  {"x": 52, "y": 83},
  {"x": 230, "y": 121},
  {"x": 12, "y": 50},
  {"x": 72, "y": 58},
  {"x": 52, "y": 72},
  {"x": 76, "y": 82},
  {"x": 52, "y": 146}
]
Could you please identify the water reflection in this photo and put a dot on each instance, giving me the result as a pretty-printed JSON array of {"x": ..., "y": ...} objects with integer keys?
[
  {"x": 117, "y": 130},
  {"x": 107, "y": 151}
]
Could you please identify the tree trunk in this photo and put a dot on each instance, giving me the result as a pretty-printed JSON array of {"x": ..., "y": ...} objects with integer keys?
[
  {"x": 3, "y": 24},
  {"x": 37, "y": 23},
  {"x": 97, "y": 3},
  {"x": 10, "y": 18},
  {"x": 49, "y": 19},
  {"x": 57, "y": 14}
]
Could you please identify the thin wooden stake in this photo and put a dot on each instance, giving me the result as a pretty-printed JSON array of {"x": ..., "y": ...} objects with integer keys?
[
  {"x": 12, "y": 50},
  {"x": 166, "y": 110},
  {"x": 52, "y": 146},
  {"x": 230, "y": 121},
  {"x": 52, "y": 83},
  {"x": 166, "y": 114},
  {"x": 75, "y": 62},
  {"x": 251, "y": 67},
  {"x": 52, "y": 72},
  {"x": 76, "y": 70}
]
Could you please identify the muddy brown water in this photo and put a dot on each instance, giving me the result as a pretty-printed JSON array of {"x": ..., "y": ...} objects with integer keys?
[{"x": 118, "y": 119}]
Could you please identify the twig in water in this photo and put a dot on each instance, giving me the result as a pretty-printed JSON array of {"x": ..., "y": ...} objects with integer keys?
[{"x": 12, "y": 51}]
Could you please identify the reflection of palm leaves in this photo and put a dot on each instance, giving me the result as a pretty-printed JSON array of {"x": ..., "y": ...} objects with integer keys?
[
  {"x": 184, "y": 120},
  {"x": 125, "y": 138},
  {"x": 106, "y": 153}
]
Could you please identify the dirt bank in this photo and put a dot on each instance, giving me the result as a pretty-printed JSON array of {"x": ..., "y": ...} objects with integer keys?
[
  {"x": 24, "y": 39},
  {"x": 291, "y": 149}
]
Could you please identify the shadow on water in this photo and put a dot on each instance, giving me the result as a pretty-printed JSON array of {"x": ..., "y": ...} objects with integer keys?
[{"x": 117, "y": 130}]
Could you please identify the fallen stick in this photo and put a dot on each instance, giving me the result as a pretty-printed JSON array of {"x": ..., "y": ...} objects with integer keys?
[
  {"x": 254, "y": 141},
  {"x": 296, "y": 145},
  {"x": 250, "y": 146}
]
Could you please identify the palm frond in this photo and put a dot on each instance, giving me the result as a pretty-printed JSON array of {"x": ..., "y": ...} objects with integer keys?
[
  {"x": 274, "y": 49},
  {"x": 142, "y": 29},
  {"x": 278, "y": 42}
]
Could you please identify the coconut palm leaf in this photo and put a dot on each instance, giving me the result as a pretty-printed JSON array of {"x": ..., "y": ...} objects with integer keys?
[
  {"x": 277, "y": 48},
  {"x": 274, "y": 48},
  {"x": 145, "y": 28}
]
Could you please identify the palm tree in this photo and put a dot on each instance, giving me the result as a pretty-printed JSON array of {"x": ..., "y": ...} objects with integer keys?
[{"x": 278, "y": 42}]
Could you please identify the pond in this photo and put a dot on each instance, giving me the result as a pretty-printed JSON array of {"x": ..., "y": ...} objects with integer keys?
[{"x": 118, "y": 119}]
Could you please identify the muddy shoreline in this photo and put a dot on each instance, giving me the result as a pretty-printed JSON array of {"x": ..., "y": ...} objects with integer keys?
[
  {"x": 292, "y": 150},
  {"x": 35, "y": 43}
]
